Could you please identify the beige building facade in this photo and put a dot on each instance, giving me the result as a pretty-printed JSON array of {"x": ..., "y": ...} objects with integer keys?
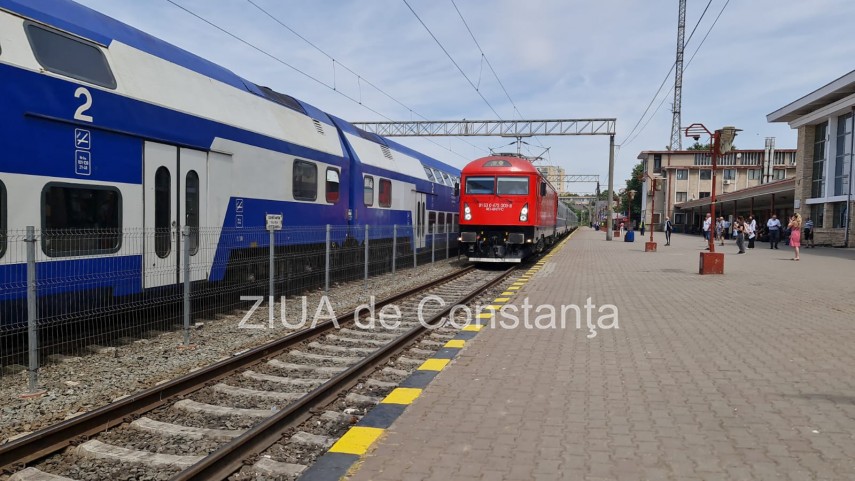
[
  {"x": 685, "y": 177},
  {"x": 555, "y": 175},
  {"x": 824, "y": 121}
]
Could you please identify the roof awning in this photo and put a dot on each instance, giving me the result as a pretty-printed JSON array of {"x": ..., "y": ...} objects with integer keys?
[
  {"x": 780, "y": 187},
  {"x": 826, "y": 95}
]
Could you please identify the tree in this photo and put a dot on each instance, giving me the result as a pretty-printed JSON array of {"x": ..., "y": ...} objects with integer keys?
[
  {"x": 699, "y": 146},
  {"x": 633, "y": 183}
]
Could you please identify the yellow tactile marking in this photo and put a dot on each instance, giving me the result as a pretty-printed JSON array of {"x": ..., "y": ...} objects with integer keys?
[
  {"x": 485, "y": 315},
  {"x": 357, "y": 440},
  {"x": 502, "y": 299},
  {"x": 506, "y": 293},
  {"x": 402, "y": 395},
  {"x": 456, "y": 343},
  {"x": 473, "y": 327},
  {"x": 514, "y": 288},
  {"x": 494, "y": 307},
  {"x": 435, "y": 364}
]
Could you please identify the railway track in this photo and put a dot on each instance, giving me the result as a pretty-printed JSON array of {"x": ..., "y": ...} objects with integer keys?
[{"x": 296, "y": 393}]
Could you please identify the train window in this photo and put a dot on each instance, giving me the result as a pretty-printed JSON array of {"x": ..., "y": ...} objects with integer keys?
[
  {"x": 454, "y": 224},
  {"x": 332, "y": 187},
  {"x": 385, "y": 196},
  {"x": 2, "y": 218},
  {"x": 70, "y": 56},
  {"x": 191, "y": 209},
  {"x": 480, "y": 185},
  {"x": 438, "y": 175},
  {"x": 512, "y": 186},
  {"x": 447, "y": 179},
  {"x": 429, "y": 173},
  {"x": 305, "y": 180},
  {"x": 368, "y": 191},
  {"x": 162, "y": 212},
  {"x": 441, "y": 222},
  {"x": 497, "y": 163},
  {"x": 80, "y": 220}
]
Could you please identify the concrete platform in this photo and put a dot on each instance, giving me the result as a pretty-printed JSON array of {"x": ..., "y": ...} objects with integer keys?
[{"x": 747, "y": 375}]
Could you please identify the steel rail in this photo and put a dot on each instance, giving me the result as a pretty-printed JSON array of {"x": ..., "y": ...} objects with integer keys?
[
  {"x": 58, "y": 436},
  {"x": 229, "y": 458}
]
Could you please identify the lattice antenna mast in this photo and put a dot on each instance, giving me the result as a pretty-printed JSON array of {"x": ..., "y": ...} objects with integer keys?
[{"x": 676, "y": 134}]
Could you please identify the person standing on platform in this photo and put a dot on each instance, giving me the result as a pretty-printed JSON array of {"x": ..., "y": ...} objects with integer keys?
[
  {"x": 739, "y": 229},
  {"x": 642, "y": 228},
  {"x": 809, "y": 233},
  {"x": 774, "y": 226},
  {"x": 719, "y": 230},
  {"x": 669, "y": 227},
  {"x": 707, "y": 227},
  {"x": 795, "y": 227},
  {"x": 751, "y": 231}
]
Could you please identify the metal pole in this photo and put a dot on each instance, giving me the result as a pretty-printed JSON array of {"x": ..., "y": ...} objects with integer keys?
[
  {"x": 715, "y": 146},
  {"x": 271, "y": 275},
  {"x": 447, "y": 241},
  {"x": 327, "y": 263},
  {"x": 366, "y": 252},
  {"x": 185, "y": 238},
  {"x": 32, "y": 312},
  {"x": 394, "y": 246},
  {"x": 652, "y": 207},
  {"x": 415, "y": 263},
  {"x": 609, "y": 220},
  {"x": 433, "y": 245}
]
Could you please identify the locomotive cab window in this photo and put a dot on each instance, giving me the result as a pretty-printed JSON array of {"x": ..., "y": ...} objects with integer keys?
[
  {"x": 368, "y": 191},
  {"x": 65, "y": 55},
  {"x": 81, "y": 220},
  {"x": 305, "y": 181},
  {"x": 385, "y": 196},
  {"x": 332, "y": 185},
  {"x": 512, "y": 186},
  {"x": 2, "y": 218},
  {"x": 480, "y": 185}
]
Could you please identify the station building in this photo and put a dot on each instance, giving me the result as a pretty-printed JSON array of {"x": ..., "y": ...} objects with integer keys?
[
  {"x": 824, "y": 120},
  {"x": 758, "y": 181}
]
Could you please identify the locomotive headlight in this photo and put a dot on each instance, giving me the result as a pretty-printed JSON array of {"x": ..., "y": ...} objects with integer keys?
[
  {"x": 467, "y": 212},
  {"x": 524, "y": 213}
]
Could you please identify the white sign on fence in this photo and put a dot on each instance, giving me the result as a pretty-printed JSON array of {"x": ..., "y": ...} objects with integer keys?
[{"x": 274, "y": 221}]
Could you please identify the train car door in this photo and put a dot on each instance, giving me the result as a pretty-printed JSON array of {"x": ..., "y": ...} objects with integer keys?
[
  {"x": 175, "y": 195},
  {"x": 419, "y": 220}
]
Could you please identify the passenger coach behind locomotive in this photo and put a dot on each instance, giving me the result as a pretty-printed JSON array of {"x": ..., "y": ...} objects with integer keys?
[{"x": 508, "y": 210}]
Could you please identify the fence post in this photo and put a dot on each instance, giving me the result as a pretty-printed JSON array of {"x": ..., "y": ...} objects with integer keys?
[
  {"x": 413, "y": 244},
  {"x": 366, "y": 252},
  {"x": 32, "y": 312},
  {"x": 447, "y": 241},
  {"x": 272, "y": 275},
  {"x": 185, "y": 238},
  {"x": 433, "y": 245},
  {"x": 327, "y": 263},
  {"x": 394, "y": 246}
]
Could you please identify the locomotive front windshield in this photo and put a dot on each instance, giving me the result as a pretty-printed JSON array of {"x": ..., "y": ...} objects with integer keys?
[
  {"x": 512, "y": 186},
  {"x": 480, "y": 185}
]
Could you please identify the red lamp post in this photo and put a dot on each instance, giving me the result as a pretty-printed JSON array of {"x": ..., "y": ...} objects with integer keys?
[{"x": 721, "y": 141}]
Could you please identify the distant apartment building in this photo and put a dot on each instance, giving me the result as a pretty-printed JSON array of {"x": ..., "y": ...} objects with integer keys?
[
  {"x": 555, "y": 175},
  {"x": 824, "y": 120},
  {"x": 686, "y": 176}
]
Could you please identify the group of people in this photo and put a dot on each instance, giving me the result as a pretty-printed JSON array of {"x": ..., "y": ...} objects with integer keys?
[{"x": 743, "y": 230}]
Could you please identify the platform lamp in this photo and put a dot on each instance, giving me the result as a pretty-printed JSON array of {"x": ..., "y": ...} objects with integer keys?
[{"x": 721, "y": 142}]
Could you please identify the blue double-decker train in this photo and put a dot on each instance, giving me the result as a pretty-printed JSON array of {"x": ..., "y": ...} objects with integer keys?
[{"x": 108, "y": 132}]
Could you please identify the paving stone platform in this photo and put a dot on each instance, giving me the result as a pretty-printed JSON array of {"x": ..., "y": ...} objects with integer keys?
[{"x": 749, "y": 375}]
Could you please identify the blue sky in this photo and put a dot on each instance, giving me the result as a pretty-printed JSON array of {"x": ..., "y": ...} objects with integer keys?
[{"x": 555, "y": 58}]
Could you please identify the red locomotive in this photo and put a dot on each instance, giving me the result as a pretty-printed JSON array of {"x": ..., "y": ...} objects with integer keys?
[{"x": 508, "y": 210}]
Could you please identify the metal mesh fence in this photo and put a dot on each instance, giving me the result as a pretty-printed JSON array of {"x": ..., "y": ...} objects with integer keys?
[{"x": 70, "y": 292}]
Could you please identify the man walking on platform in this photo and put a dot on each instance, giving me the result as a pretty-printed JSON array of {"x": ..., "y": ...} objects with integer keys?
[
  {"x": 707, "y": 227},
  {"x": 669, "y": 227},
  {"x": 809, "y": 233},
  {"x": 774, "y": 226}
]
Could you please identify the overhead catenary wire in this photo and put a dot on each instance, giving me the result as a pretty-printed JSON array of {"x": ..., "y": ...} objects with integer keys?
[{"x": 298, "y": 70}]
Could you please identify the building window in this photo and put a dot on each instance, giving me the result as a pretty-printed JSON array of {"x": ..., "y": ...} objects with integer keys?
[
  {"x": 841, "y": 164},
  {"x": 817, "y": 214},
  {"x": 706, "y": 174},
  {"x": 80, "y": 220},
  {"x": 191, "y": 209},
  {"x": 657, "y": 164},
  {"x": 682, "y": 174},
  {"x": 817, "y": 189},
  {"x": 332, "y": 185},
  {"x": 703, "y": 195},
  {"x": 305, "y": 182},
  {"x": 779, "y": 174},
  {"x": 682, "y": 196},
  {"x": 368, "y": 191},
  {"x": 162, "y": 212},
  {"x": 385, "y": 196},
  {"x": 838, "y": 215},
  {"x": 69, "y": 56},
  {"x": 753, "y": 174},
  {"x": 679, "y": 218},
  {"x": 3, "y": 225},
  {"x": 729, "y": 174}
]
